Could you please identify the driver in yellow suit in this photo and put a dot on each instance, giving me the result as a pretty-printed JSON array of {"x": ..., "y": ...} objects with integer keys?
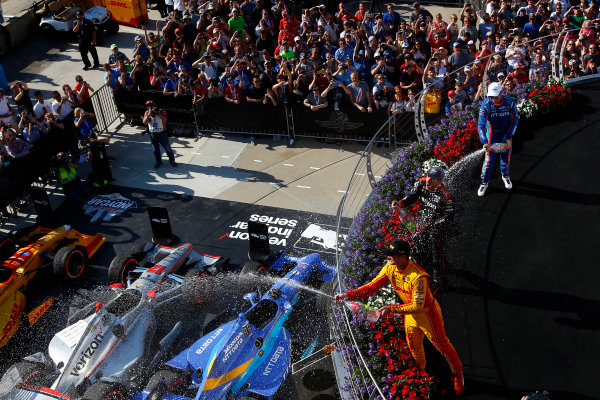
[{"x": 422, "y": 313}]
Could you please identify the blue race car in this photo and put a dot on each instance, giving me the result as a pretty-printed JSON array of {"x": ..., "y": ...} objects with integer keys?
[{"x": 248, "y": 357}]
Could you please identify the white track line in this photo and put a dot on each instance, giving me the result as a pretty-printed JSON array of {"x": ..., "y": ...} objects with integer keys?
[
  {"x": 257, "y": 160},
  {"x": 303, "y": 187},
  {"x": 289, "y": 165},
  {"x": 314, "y": 168}
]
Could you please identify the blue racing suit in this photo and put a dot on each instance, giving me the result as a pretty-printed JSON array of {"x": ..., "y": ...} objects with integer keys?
[{"x": 497, "y": 124}]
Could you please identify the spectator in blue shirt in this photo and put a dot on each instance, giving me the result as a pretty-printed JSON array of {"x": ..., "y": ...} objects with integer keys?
[
  {"x": 111, "y": 78},
  {"x": 116, "y": 55},
  {"x": 344, "y": 53},
  {"x": 392, "y": 20},
  {"x": 362, "y": 66},
  {"x": 532, "y": 28},
  {"x": 170, "y": 87},
  {"x": 140, "y": 48}
]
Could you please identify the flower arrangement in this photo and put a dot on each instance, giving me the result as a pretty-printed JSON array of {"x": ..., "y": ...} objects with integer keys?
[{"x": 383, "y": 343}]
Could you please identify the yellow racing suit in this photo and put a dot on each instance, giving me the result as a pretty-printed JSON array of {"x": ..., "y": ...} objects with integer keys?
[{"x": 422, "y": 313}]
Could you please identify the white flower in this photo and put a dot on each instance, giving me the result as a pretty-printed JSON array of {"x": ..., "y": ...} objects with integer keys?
[
  {"x": 527, "y": 108},
  {"x": 386, "y": 295}
]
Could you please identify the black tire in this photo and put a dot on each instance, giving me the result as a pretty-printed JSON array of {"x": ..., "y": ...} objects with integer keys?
[
  {"x": 120, "y": 267},
  {"x": 250, "y": 279},
  {"x": 173, "y": 381},
  {"x": 49, "y": 32},
  {"x": 111, "y": 27},
  {"x": 70, "y": 262},
  {"x": 197, "y": 287},
  {"x": 33, "y": 373},
  {"x": 106, "y": 391},
  {"x": 7, "y": 248}
]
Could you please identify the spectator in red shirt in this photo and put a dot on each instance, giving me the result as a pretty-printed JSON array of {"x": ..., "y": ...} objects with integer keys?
[
  {"x": 520, "y": 75},
  {"x": 83, "y": 89},
  {"x": 233, "y": 92},
  {"x": 290, "y": 22},
  {"x": 439, "y": 39}
]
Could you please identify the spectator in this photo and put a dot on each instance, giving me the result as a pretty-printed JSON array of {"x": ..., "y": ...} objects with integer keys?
[
  {"x": 30, "y": 127},
  {"x": 391, "y": 20},
  {"x": 21, "y": 97},
  {"x": 314, "y": 100},
  {"x": 453, "y": 105},
  {"x": 61, "y": 105},
  {"x": 236, "y": 23},
  {"x": 532, "y": 28},
  {"x": 382, "y": 92},
  {"x": 83, "y": 121},
  {"x": 15, "y": 147},
  {"x": 140, "y": 48},
  {"x": 457, "y": 59},
  {"x": 359, "y": 93},
  {"x": 141, "y": 74},
  {"x": 485, "y": 27},
  {"x": 470, "y": 28},
  {"x": 6, "y": 111},
  {"x": 233, "y": 91},
  {"x": 83, "y": 89},
  {"x": 86, "y": 35},
  {"x": 115, "y": 55},
  {"x": 157, "y": 127},
  {"x": 42, "y": 106}
]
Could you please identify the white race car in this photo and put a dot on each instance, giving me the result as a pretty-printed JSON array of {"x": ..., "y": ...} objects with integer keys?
[
  {"x": 108, "y": 349},
  {"x": 64, "y": 18}
]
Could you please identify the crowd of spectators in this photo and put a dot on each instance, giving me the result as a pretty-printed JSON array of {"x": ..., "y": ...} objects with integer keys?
[{"x": 273, "y": 53}]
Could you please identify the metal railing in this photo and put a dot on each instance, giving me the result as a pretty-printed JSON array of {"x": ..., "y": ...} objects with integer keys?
[
  {"x": 359, "y": 383},
  {"x": 105, "y": 108}
]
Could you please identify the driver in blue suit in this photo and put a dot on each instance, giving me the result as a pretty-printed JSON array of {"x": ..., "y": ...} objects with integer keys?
[{"x": 498, "y": 119}]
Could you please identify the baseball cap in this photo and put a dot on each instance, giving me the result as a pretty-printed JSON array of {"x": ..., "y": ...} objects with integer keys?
[
  {"x": 79, "y": 13},
  {"x": 113, "y": 46},
  {"x": 532, "y": 16},
  {"x": 205, "y": 54},
  {"x": 149, "y": 103},
  {"x": 387, "y": 53},
  {"x": 138, "y": 37},
  {"x": 215, "y": 30},
  {"x": 436, "y": 173},
  {"x": 361, "y": 52},
  {"x": 470, "y": 91},
  {"x": 423, "y": 24},
  {"x": 469, "y": 42},
  {"x": 456, "y": 44},
  {"x": 371, "y": 38},
  {"x": 494, "y": 90},
  {"x": 297, "y": 39},
  {"x": 397, "y": 248},
  {"x": 467, "y": 69},
  {"x": 451, "y": 93},
  {"x": 377, "y": 54},
  {"x": 302, "y": 55},
  {"x": 177, "y": 31},
  {"x": 150, "y": 34},
  {"x": 416, "y": 4}
]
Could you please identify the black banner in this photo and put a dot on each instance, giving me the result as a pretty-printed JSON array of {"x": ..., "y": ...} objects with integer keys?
[
  {"x": 133, "y": 102},
  {"x": 255, "y": 117}
]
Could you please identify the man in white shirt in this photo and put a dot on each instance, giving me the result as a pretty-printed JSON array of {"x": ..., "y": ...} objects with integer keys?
[
  {"x": 6, "y": 112},
  {"x": 42, "y": 106},
  {"x": 61, "y": 106}
]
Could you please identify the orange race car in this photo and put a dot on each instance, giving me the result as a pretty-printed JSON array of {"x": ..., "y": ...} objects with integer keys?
[{"x": 65, "y": 249}]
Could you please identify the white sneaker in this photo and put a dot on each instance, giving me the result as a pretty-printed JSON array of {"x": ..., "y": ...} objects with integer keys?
[
  {"x": 507, "y": 182},
  {"x": 482, "y": 188}
]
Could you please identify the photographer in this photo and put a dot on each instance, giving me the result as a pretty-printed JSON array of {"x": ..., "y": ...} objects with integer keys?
[
  {"x": 84, "y": 123},
  {"x": 96, "y": 155},
  {"x": 30, "y": 127},
  {"x": 157, "y": 127},
  {"x": 6, "y": 111},
  {"x": 21, "y": 97}
]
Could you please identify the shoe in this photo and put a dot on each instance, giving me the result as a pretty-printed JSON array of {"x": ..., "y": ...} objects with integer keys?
[
  {"x": 507, "y": 182},
  {"x": 96, "y": 65},
  {"x": 482, "y": 188},
  {"x": 157, "y": 165},
  {"x": 173, "y": 163},
  {"x": 86, "y": 67},
  {"x": 459, "y": 384},
  {"x": 292, "y": 141}
]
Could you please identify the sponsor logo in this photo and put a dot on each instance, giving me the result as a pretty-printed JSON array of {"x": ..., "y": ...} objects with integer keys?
[
  {"x": 12, "y": 321},
  {"x": 106, "y": 206},
  {"x": 118, "y": 3},
  {"x": 87, "y": 354},
  {"x": 208, "y": 341},
  {"x": 232, "y": 346},
  {"x": 278, "y": 352}
]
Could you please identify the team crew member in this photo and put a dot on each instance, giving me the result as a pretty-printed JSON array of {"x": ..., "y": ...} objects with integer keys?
[
  {"x": 86, "y": 34},
  {"x": 437, "y": 208},
  {"x": 157, "y": 127},
  {"x": 498, "y": 121},
  {"x": 422, "y": 313}
]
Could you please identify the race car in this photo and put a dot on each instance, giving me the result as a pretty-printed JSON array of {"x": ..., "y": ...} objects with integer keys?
[
  {"x": 108, "y": 348},
  {"x": 64, "y": 249},
  {"x": 248, "y": 357}
]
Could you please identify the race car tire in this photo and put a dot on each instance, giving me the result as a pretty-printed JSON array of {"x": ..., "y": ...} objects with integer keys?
[
  {"x": 168, "y": 381},
  {"x": 250, "y": 279},
  {"x": 106, "y": 391},
  {"x": 197, "y": 287},
  {"x": 120, "y": 267},
  {"x": 70, "y": 262},
  {"x": 7, "y": 248},
  {"x": 34, "y": 373}
]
